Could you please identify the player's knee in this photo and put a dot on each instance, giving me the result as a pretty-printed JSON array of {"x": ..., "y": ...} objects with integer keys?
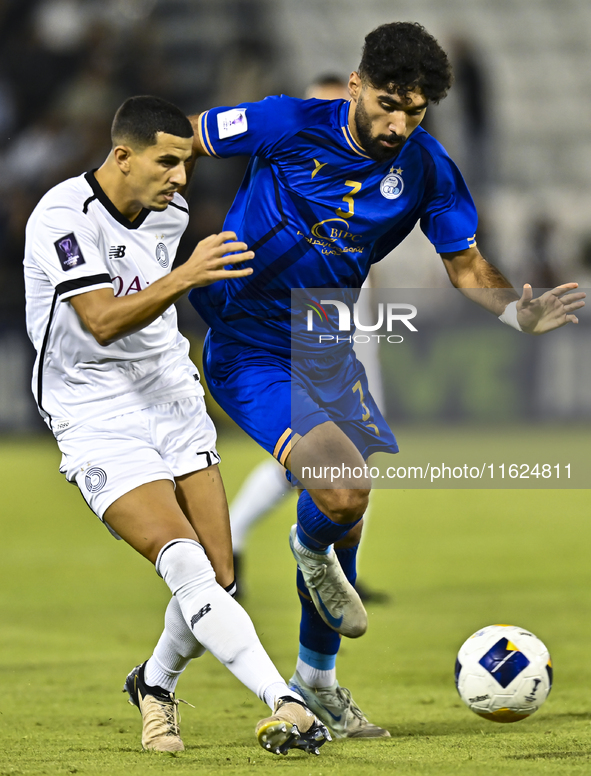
[
  {"x": 345, "y": 506},
  {"x": 351, "y": 538},
  {"x": 182, "y": 563}
]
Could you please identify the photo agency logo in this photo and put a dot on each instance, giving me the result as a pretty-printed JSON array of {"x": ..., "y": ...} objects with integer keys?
[{"x": 348, "y": 318}]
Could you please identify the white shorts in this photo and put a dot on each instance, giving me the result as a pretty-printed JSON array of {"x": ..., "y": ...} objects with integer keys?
[{"x": 109, "y": 457}]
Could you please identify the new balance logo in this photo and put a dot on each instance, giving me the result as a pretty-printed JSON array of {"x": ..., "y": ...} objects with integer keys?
[
  {"x": 201, "y": 613},
  {"x": 117, "y": 251}
]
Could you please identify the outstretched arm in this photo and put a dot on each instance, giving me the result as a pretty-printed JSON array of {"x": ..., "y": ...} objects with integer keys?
[
  {"x": 482, "y": 282},
  {"x": 470, "y": 272}
]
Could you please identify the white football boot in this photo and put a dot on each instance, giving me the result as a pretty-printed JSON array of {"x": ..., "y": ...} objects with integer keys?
[
  {"x": 333, "y": 595},
  {"x": 337, "y": 709}
]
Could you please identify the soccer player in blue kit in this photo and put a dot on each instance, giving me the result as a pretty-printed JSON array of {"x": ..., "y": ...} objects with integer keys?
[{"x": 332, "y": 187}]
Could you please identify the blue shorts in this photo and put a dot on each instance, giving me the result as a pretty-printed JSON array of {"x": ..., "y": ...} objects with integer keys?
[{"x": 277, "y": 400}]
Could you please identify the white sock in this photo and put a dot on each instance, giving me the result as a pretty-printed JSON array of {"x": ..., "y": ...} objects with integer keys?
[
  {"x": 216, "y": 620},
  {"x": 276, "y": 691},
  {"x": 175, "y": 649},
  {"x": 315, "y": 677},
  {"x": 260, "y": 491}
]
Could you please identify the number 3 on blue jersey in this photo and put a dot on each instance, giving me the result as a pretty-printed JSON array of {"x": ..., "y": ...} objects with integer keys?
[{"x": 348, "y": 199}]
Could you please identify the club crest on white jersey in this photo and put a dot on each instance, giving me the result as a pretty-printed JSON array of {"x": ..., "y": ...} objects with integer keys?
[{"x": 162, "y": 255}]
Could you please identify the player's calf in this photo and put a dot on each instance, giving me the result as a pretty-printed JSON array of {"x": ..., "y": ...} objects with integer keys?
[{"x": 216, "y": 620}]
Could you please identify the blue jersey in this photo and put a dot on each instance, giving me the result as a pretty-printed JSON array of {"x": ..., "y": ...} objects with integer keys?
[{"x": 318, "y": 211}]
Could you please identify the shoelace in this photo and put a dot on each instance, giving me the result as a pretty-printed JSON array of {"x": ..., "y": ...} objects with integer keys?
[
  {"x": 344, "y": 695},
  {"x": 172, "y": 715},
  {"x": 337, "y": 594}
]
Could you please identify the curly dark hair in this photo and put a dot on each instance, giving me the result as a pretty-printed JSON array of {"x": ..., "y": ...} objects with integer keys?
[{"x": 401, "y": 57}]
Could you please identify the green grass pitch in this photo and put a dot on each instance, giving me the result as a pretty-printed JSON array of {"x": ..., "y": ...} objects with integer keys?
[{"x": 79, "y": 609}]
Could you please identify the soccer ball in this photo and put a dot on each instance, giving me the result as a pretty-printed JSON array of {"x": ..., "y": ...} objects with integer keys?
[{"x": 503, "y": 673}]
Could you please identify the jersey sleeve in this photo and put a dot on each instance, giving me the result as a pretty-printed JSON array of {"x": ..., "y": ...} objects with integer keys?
[
  {"x": 65, "y": 245},
  {"x": 249, "y": 129},
  {"x": 449, "y": 219}
]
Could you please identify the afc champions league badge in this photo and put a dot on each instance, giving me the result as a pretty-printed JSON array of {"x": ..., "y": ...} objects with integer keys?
[
  {"x": 392, "y": 185},
  {"x": 162, "y": 255}
]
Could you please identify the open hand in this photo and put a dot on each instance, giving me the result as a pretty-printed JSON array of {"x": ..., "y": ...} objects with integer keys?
[
  {"x": 550, "y": 311},
  {"x": 206, "y": 263}
]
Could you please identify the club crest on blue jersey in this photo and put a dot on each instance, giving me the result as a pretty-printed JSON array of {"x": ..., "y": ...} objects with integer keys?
[
  {"x": 392, "y": 185},
  {"x": 504, "y": 662},
  {"x": 162, "y": 255},
  {"x": 69, "y": 252}
]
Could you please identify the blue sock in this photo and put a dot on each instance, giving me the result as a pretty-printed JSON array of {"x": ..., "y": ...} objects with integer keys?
[
  {"x": 315, "y": 530},
  {"x": 348, "y": 560},
  {"x": 315, "y": 635},
  {"x": 319, "y": 644}
]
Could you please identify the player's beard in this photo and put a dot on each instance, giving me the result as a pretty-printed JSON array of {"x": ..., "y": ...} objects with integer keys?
[{"x": 370, "y": 144}]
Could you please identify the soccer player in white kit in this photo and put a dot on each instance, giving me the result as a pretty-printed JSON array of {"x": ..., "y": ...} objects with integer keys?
[{"x": 114, "y": 383}]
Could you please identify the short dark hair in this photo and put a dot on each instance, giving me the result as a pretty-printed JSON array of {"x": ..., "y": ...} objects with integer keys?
[
  {"x": 139, "y": 119},
  {"x": 402, "y": 57}
]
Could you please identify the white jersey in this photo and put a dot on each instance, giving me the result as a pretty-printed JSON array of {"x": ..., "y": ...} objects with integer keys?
[{"x": 77, "y": 241}]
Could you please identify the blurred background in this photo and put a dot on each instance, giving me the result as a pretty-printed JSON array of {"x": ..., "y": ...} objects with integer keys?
[
  {"x": 516, "y": 122},
  {"x": 77, "y": 609}
]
